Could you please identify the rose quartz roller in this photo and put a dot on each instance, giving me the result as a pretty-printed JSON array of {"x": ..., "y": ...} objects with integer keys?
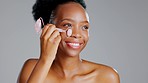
[
  {"x": 68, "y": 31},
  {"x": 40, "y": 22}
]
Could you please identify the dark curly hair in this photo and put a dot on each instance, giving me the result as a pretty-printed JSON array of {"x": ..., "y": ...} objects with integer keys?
[{"x": 44, "y": 8}]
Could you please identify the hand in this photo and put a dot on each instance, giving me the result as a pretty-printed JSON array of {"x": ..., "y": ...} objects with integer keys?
[{"x": 50, "y": 39}]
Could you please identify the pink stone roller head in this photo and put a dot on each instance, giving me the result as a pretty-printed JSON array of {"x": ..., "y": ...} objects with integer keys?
[
  {"x": 40, "y": 22},
  {"x": 38, "y": 26}
]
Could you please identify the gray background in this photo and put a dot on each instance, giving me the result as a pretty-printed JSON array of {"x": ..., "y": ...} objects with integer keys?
[{"x": 118, "y": 37}]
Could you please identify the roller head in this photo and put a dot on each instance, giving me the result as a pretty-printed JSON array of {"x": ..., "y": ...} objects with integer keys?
[
  {"x": 69, "y": 32},
  {"x": 38, "y": 26}
]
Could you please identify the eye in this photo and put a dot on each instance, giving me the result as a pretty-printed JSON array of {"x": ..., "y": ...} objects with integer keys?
[
  {"x": 68, "y": 25},
  {"x": 85, "y": 27}
]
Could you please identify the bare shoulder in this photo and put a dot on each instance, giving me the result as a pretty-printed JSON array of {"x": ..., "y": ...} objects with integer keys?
[
  {"x": 104, "y": 73},
  {"x": 26, "y": 70}
]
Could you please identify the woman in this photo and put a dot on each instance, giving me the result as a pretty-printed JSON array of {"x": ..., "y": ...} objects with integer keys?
[{"x": 59, "y": 60}]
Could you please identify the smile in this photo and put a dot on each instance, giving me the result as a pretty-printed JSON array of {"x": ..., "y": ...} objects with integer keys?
[{"x": 74, "y": 45}]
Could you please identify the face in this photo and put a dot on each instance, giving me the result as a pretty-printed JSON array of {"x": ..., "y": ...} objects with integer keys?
[{"x": 72, "y": 15}]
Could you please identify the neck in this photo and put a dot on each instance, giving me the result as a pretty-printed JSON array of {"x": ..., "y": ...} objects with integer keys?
[{"x": 67, "y": 66}]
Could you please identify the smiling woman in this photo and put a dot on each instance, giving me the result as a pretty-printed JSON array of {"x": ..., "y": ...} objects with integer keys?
[{"x": 59, "y": 60}]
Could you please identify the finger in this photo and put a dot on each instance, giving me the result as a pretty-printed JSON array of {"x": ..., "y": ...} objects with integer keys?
[
  {"x": 54, "y": 35},
  {"x": 49, "y": 31},
  {"x": 45, "y": 29},
  {"x": 57, "y": 40}
]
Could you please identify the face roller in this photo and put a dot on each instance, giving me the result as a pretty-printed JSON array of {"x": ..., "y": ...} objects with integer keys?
[
  {"x": 39, "y": 23},
  {"x": 68, "y": 31}
]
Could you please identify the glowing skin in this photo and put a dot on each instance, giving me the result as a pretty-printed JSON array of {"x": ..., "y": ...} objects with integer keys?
[
  {"x": 40, "y": 22},
  {"x": 59, "y": 60}
]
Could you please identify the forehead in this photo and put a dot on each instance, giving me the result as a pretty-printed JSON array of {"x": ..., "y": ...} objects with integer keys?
[{"x": 71, "y": 10}]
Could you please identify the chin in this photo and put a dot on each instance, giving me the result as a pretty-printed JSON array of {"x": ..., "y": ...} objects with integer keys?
[
  {"x": 69, "y": 52},
  {"x": 72, "y": 53}
]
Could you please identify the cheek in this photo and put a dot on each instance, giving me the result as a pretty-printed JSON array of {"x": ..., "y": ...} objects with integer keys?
[
  {"x": 86, "y": 36},
  {"x": 63, "y": 35}
]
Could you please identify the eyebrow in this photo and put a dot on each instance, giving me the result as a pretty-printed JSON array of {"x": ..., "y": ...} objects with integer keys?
[
  {"x": 71, "y": 20},
  {"x": 66, "y": 19}
]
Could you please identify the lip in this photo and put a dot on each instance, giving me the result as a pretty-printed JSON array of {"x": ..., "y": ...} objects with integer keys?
[{"x": 74, "y": 44}]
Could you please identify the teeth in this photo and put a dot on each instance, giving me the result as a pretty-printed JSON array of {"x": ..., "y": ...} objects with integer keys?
[{"x": 74, "y": 44}]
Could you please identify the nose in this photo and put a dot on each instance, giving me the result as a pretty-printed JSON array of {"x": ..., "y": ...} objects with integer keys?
[{"x": 76, "y": 33}]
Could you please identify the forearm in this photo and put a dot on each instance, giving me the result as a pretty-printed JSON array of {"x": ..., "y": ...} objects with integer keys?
[
  {"x": 40, "y": 71},
  {"x": 50, "y": 39}
]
